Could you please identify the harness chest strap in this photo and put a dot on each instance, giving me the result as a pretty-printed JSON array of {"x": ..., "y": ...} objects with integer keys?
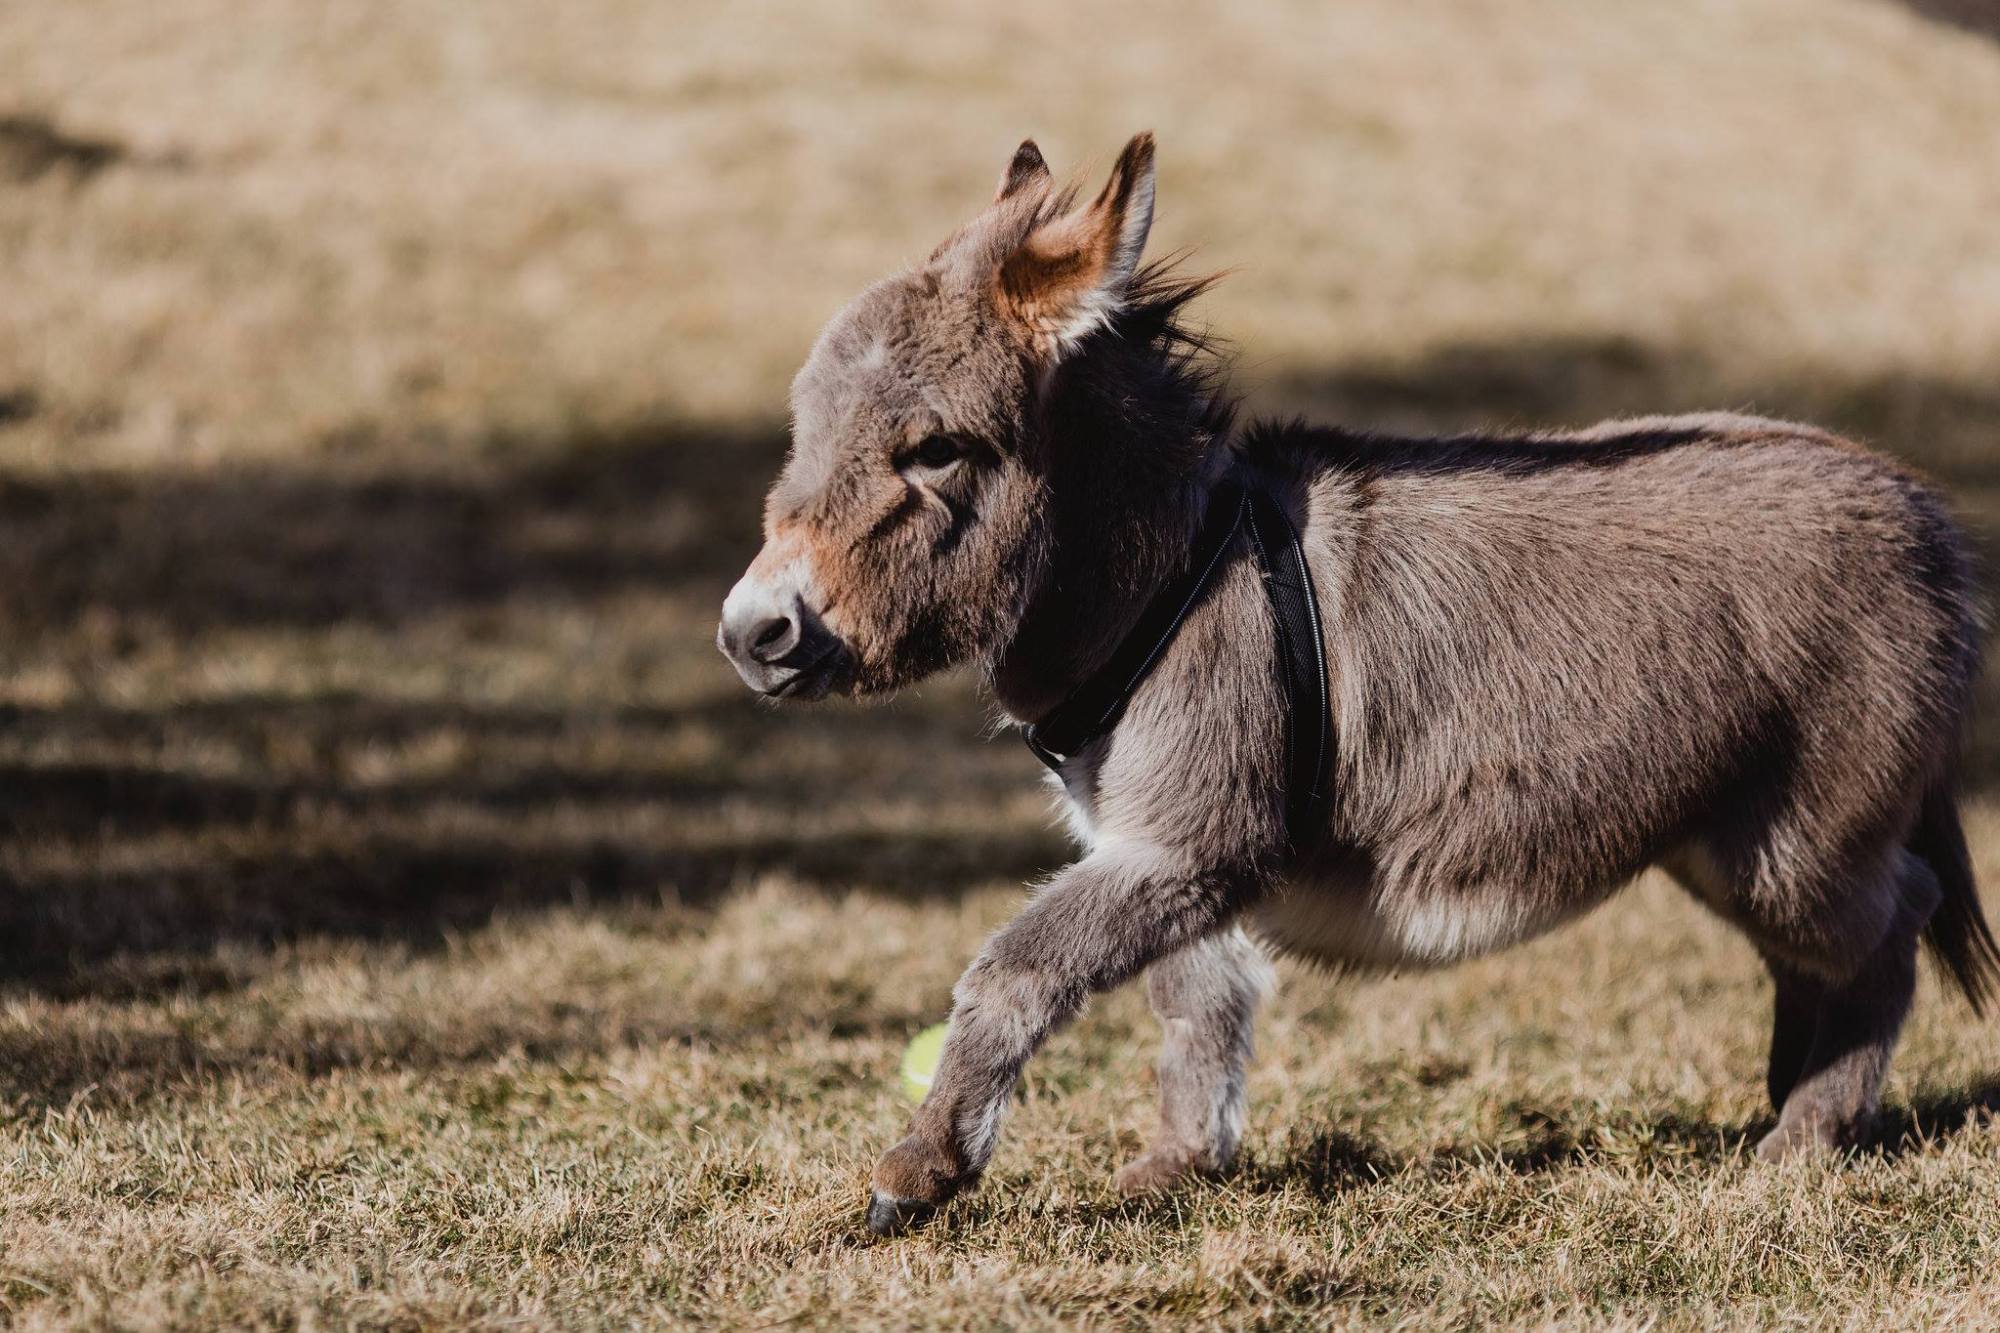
[{"x": 1094, "y": 707}]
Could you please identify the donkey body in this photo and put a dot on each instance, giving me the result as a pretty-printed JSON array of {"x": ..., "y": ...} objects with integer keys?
[{"x": 1737, "y": 648}]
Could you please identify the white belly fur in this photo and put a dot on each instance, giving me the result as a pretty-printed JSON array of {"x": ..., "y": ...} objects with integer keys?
[{"x": 1342, "y": 920}]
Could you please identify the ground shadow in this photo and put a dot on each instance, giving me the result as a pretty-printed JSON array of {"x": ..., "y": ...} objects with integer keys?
[
  {"x": 32, "y": 146},
  {"x": 1544, "y": 1142},
  {"x": 1979, "y": 16},
  {"x": 1325, "y": 1162},
  {"x": 142, "y": 873},
  {"x": 1534, "y": 1142},
  {"x": 189, "y": 551},
  {"x": 1934, "y": 1114}
]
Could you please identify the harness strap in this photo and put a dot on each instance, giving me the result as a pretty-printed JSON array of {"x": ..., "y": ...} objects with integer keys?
[
  {"x": 1302, "y": 657},
  {"x": 1092, "y": 709}
]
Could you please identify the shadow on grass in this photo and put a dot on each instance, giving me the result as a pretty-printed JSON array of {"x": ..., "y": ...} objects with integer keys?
[
  {"x": 1325, "y": 1162},
  {"x": 121, "y": 871},
  {"x": 32, "y": 146},
  {"x": 1976, "y": 16},
  {"x": 1331, "y": 1161},
  {"x": 189, "y": 551},
  {"x": 1538, "y": 1142},
  {"x": 1933, "y": 1115},
  {"x": 120, "y": 879}
]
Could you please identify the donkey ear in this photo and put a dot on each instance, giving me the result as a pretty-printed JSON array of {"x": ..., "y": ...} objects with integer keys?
[
  {"x": 1070, "y": 276},
  {"x": 1025, "y": 170}
]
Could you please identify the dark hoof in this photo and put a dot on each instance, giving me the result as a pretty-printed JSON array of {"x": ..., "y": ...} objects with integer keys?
[{"x": 891, "y": 1216}]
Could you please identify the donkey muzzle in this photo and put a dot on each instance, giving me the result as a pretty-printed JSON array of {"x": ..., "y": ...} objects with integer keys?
[{"x": 777, "y": 645}]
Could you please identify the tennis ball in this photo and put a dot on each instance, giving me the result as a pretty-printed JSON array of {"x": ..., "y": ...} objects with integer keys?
[{"x": 920, "y": 1061}]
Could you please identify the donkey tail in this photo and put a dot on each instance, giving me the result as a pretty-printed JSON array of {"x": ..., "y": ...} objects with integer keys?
[{"x": 1958, "y": 936}]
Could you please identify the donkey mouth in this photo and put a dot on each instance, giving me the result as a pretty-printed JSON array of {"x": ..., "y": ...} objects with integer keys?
[{"x": 814, "y": 680}]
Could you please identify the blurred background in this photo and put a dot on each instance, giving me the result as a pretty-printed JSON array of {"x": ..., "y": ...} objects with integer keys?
[{"x": 388, "y": 392}]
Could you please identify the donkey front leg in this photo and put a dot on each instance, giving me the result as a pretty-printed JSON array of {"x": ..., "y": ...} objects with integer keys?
[
  {"x": 1206, "y": 998},
  {"x": 1095, "y": 925}
]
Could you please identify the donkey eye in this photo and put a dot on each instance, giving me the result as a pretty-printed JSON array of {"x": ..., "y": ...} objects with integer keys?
[{"x": 937, "y": 451}]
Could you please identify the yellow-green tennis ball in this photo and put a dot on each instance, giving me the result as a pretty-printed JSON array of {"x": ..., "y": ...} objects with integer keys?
[{"x": 921, "y": 1060}]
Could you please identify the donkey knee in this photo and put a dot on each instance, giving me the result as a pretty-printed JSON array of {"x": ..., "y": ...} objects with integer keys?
[
  {"x": 1850, "y": 928},
  {"x": 1013, "y": 1007},
  {"x": 1903, "y": 899}
]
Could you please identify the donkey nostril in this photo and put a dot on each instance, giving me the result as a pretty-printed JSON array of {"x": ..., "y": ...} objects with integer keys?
[{"x": 773, "y": 638}]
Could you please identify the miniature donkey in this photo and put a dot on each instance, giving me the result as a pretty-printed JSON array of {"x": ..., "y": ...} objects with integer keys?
[{"x": 1735, "y": 648}]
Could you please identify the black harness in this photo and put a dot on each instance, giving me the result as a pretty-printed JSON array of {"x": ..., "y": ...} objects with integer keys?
[{"x": 1093, "y": 708}]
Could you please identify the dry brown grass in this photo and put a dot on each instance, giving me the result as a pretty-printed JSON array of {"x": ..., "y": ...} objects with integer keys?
[
  {"x": 406, "y": 921},
  {"x": 589, "y": 1115}
]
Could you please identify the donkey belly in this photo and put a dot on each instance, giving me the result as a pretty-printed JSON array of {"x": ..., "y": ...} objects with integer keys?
[
  {"x": 1337, "y": 912},
  {"x": 1341, "y": 916}
]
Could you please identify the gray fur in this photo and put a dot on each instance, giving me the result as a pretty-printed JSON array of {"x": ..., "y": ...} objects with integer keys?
[
  {"x": 1741, "y": 649},
  {"x": 1206, "y": 998}
]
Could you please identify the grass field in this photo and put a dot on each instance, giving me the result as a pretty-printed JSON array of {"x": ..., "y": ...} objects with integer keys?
[{"x": 407, "y": 921}]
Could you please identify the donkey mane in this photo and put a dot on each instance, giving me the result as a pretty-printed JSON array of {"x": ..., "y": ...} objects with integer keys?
[
  {"x": 1140, "y": 419},
  {"x": 1183, "y": 368}
]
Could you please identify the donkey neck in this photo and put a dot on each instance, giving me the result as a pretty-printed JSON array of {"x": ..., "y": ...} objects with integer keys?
[{"x": 1129, "y": 480}]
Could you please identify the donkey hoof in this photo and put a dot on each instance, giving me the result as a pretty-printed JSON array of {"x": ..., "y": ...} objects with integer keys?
[
  {"x": 1777, "y": 1146},
  {"x": 891, "y": 1216},
  {"x": 912, "y": 1181},
  {"x": 1799, "y": 1139},
  {"x": 1152, "y": 1172}
]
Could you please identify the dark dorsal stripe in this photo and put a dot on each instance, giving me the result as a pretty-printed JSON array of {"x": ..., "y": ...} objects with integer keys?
[{"x": 1094, "y": 707}]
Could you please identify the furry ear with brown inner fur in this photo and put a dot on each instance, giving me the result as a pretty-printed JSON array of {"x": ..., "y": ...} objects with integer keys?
[
  {"x": 1069, "y": 277},
  {"x": 1025, "y": 169}
]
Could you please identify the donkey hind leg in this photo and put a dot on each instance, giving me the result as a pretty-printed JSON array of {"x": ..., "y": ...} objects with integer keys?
[
  {"x": 1206, "y": 998},
  {"x": 1794, "y": 1020},
  {"x": 1831, "y": 1102}
]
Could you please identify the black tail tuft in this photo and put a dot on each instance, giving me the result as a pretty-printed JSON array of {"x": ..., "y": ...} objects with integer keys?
[{"x": 1958, "y": 935}]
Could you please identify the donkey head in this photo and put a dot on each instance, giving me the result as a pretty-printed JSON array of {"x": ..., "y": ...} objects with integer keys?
[{"x": 910, "y": 525}]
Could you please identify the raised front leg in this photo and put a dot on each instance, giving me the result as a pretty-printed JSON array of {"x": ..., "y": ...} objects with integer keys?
[
  {"x": 1097, "y": 924},
  {"x": 1206, "y": 998}
]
